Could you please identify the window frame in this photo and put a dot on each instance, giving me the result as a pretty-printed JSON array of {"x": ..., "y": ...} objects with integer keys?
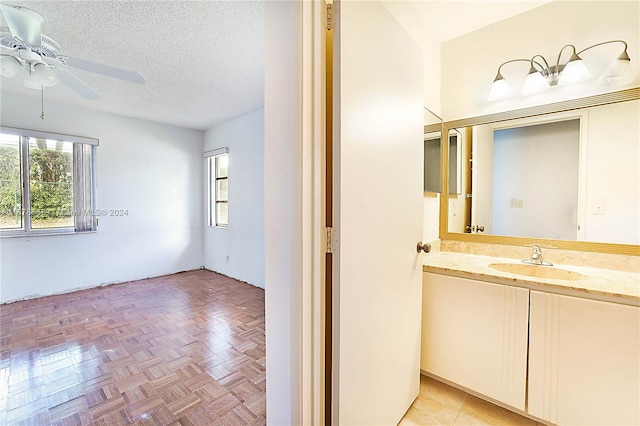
[
  {"x": 26, "y": 230},
  {"x": 213, "y": 200}
]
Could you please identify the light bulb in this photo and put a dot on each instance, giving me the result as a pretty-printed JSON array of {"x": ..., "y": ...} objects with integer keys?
[
  {"x": 500, "y": 89},
  {"x": 41, "y": 75},
  {"x": 31, "y": 81},
  {"x": 45, "y": 75},
  {"x": 574, "y": 72},
  {"x": 534, "y": 83},
  {"x": 10, "y": 66},
  {"x": 619, "y": 72}
]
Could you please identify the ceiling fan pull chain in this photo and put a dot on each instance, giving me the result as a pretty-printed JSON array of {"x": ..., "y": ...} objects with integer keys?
[{"x": 42, "y": 99}]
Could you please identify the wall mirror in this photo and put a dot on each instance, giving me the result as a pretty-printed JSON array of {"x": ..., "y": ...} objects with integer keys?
[
  {"x": 432, "y": 147},
  {"x": 565, "y": 175},
  {"x": 432, "y": 144}
]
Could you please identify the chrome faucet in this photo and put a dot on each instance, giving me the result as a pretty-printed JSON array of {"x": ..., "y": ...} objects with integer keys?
[{"x": 536, "y": 256}]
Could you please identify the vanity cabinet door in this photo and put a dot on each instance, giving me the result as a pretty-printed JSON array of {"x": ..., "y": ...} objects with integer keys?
[
  {"x": 584, "y": 361},
  {"x": 475, "y": 335}
]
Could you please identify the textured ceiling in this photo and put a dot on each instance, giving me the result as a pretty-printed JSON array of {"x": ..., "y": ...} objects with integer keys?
[{"x": 203, "y": 60}]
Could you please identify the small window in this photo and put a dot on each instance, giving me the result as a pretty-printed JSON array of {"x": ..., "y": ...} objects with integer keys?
[
  {"x": 218, "y": 166},
  {"x": 46, "y": 183}
]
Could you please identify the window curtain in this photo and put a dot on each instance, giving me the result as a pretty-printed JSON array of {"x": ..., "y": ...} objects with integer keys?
[{"x": 83, "y": 183}]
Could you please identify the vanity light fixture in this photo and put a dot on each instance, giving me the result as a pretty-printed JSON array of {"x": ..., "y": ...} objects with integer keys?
[{"x": 542, "y": 76}]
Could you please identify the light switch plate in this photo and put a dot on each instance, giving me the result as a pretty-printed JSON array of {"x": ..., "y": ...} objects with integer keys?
[{"x": 514, "y": 203}]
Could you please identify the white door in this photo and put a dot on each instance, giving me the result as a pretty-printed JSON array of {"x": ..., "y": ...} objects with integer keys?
[
  {"x": 378, "y": 216},
  {"x": 482, "y": 178}
]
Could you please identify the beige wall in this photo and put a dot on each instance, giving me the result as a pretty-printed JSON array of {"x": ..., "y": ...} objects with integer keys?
[{"x": 470, "y": 62}]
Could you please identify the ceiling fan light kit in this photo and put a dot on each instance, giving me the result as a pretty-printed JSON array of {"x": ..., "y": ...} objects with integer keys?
[
  {"x": 39, "y": 76},
  {"x": 542, "y": 76},
  {"x": 34, "y": 56},
  {"x": 10, "y": 66}
]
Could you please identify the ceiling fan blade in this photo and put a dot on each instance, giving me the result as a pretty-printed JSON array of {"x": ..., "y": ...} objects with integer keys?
[
  {"x": 109, "y": 71},
  {"x": 25, "y": 24},
  {"x": 76, "y": 85}
]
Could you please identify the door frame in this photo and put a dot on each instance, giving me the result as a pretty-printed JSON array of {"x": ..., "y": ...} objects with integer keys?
[{"x": 294, "y": 252}]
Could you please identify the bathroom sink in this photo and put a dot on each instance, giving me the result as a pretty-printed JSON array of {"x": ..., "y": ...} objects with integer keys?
[{"x": 538, "y": 271}]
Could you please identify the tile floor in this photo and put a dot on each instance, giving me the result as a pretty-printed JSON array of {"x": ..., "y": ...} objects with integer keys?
[
  {"x": 441, "y": 404},
  {"x": 183, "y": 349}
]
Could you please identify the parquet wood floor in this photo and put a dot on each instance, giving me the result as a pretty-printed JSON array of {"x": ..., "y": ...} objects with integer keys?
[{"x": 183, "y": 349}]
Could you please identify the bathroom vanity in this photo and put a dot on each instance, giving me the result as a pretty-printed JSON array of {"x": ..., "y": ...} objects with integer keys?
[{"x": 560, "y": 344}]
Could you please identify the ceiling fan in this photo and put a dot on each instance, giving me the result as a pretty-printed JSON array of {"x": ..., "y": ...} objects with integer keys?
[{"x": 37, "y": 56}]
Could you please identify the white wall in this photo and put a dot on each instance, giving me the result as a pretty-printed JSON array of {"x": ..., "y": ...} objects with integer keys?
[
  {"x": 470, "y": 62},
  {"x": 152, "y": 170},
  {"x": 238, "y": 250},
  {"x": 282, "y": 109}
]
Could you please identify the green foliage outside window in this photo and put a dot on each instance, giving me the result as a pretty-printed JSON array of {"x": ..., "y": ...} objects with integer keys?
[
  {"x": 51, "y": 183},
  {"x": 10, "y": 190},
  {"x": 51, "y": 186}
]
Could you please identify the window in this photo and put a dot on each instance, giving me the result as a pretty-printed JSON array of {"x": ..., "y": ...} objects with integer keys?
[
  {"x": 218, "y": 179},
  {"x": 46, "y": 183}
]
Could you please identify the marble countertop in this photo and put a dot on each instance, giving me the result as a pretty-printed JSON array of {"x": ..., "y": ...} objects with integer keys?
[{"x": 599, "y": 284}]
